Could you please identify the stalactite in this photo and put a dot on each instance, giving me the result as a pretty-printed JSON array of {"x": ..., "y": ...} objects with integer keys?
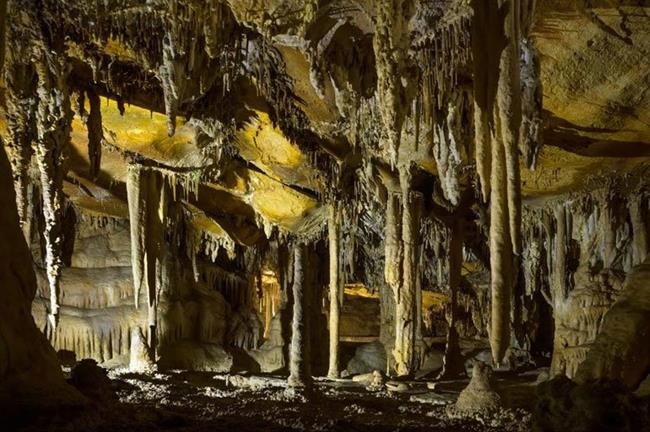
[
  {"x": 509, "y": 118},
  {"x": 500, "y": 258},
  {"x": 170, "y": 73},
  {"x": 53, "y": 126},
  {"x": 335, "y": 288},
  {"x": 95, "y": 133},
  {"x": 136, "y": 195},
  {"x": 299, "y": 369},
  {"x": 482, "y": 96}
]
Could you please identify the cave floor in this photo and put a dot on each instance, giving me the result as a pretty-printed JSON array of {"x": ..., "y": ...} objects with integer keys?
[{"x": 189, "y": 401}]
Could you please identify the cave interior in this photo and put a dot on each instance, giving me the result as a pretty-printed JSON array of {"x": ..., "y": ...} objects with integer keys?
[{"x": 325, "y": 215}]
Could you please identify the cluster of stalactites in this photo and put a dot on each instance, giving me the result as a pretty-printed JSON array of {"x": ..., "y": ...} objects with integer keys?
[
  {"x": 93, "y": 121},
  {"x": 497, "y": 124},
  {"x": 608, "y": 224},
  {"x": 148, "y": 199},
  {"x": 391, "y": 43},
  {"x": 189, "y": 65},
  {"x": 21, "y": 102},
  {"x": 443, "y": 55}
]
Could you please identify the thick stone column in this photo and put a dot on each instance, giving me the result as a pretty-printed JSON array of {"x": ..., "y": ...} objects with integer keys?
[
  {"x": 406, "y": 296},
  {"x": 336, "y": 294},
  {"x": 299, "y": 368}
]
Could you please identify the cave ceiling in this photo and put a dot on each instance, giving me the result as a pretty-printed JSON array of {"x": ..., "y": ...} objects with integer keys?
[{"x": 270, "y": 107}]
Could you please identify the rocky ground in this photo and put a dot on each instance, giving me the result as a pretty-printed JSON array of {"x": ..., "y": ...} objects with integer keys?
[{"x": 186, "y": 401}]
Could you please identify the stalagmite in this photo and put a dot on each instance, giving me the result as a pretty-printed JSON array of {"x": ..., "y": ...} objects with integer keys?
[
  {"x": 639, "y": 230},
  {"x": 299, "y": 368},
  {"x": 335, "y": 285},
  {"x": 53, "y": 126},
  {"x": 95, "y": 133}
]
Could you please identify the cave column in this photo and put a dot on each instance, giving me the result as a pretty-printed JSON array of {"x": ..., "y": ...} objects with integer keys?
[
  {"x": 299, "y": 368},
  {"x": 406, "y": 296},
  {"x": 453, "y": 364},
  {"x": 336, "y": 294},
  {"x": 392, "y": 274}
]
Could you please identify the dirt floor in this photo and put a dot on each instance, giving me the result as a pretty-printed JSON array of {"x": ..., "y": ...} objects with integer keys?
[{"x": 185, "y": 401}]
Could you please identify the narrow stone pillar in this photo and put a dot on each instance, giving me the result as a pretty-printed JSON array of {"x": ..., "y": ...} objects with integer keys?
[
  {"x": 453, "y": 365},
  {"x": 559, "y": 290},
  {"x": 336, "y": 294},
  {"x": 299, "y": 370},
  {"x": 405, "y": 300}
]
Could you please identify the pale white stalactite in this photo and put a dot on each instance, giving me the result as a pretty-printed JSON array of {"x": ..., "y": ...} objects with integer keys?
[
  {"x": 135, "y": 188},
  {"x": 299, "y": 370},
  {"x": 335, "y": 288}
]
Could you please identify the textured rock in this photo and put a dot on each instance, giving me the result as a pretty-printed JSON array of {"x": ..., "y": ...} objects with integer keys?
[
  {"x": 618, "y": 352},
  {"x": 367, "y": 358},
  {"x": 195, "y": 356}
]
